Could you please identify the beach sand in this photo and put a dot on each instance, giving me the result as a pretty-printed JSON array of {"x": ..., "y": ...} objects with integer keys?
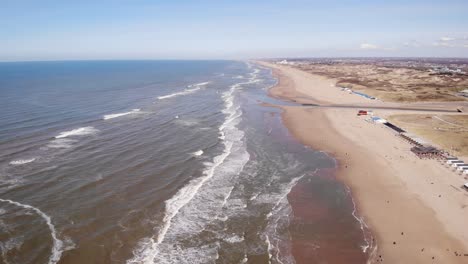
[{"x": 416, "y": 209}]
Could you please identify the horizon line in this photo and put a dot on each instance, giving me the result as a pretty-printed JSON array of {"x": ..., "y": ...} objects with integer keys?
[{"x": 245, "y": 59}]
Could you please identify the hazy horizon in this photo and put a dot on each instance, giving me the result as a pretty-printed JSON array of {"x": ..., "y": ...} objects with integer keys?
[{"x": 181, "y": 30}]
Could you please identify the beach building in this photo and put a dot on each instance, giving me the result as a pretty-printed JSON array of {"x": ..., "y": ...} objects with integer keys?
[
  {"x": 464, "y": 93},
  {"x": 378, "y": 120},
  {"x": 450, "y": 162},
  {"x": 364, "y": 95},
  {"x": 395, "y": 128},
  {"x": 454, "y": 161},
  {"x": 427, "y": 152},
  {"x": 413, "y": 139},
  {"x": 346, "y": 90},
  {"x": 455, "y": 165}
]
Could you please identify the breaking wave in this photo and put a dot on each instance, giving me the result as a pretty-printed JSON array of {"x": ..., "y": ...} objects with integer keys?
[
  {"x": 278, "y": 219},
  {"x": 198, "y": 153},
  {"x": 155, "y": 248},
  {"x": 58, "y": 245},
  {"x": 190, "y": 89},
  {"x": 111, "y": 116},
  {"x": 22, "y": 161},
  {"x": 82, "y": 131}
]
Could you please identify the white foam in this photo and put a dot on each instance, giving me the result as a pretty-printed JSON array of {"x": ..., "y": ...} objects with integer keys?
[
  {"x": 269, "y": 249},
  {"x": 198, "y": 153},
  {"x": 227, "y": 196},
  {"x": 190, "y": 89},
  {"x": 151, "y": 248},
  {"x": 22, "y": 161},
  {"x": 234, "y": 239},
  {"x": 6, "y": 246},
  {"x": 173, "y": 205},
  {"x": 199, "y": 84},
  {"x": 362, "y": 225},
  {"x": 254, "y": 197},
  {"x": 58, "y": 245},
  {"x": 276, "y": 220},
  {"x": 111, "y": 116},
  {"x": 82, "y": 131}
]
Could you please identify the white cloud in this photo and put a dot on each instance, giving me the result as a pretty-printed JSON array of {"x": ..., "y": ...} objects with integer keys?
[
  {"x": 368, "y": 46},
  {"x": 447, "y": 39},
  {"x": 443, "y": 44},
  {"x": 412, "y": 44}
]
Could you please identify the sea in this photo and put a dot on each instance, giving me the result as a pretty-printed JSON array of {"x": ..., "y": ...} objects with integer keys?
[{"x": 163, "y": 162}]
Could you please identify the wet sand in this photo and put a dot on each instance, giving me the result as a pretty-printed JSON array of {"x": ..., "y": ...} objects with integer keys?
[
  {"x": 321, "y": 227},
  {"x": 414, "y": 208}
]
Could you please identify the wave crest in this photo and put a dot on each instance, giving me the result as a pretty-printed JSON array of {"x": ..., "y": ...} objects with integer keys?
[
  {"x": 111, "y": 116},
  {"x": 22, "y": 161},
  {"x": 190, "y": 89},
  {"x": 82, "y": 131},
  {"x": 155, "y": 249},
  {"x": 58, "y": 245}
]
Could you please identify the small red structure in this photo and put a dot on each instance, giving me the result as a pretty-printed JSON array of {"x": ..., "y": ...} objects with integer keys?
[{"x": 362, "y": 112}]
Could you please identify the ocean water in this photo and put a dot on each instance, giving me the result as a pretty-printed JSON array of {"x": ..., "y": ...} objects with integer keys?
[{"x": 159, "y": 162}]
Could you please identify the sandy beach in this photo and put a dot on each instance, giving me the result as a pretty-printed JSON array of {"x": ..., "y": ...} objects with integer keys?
[{"x": 416, "y": 209}]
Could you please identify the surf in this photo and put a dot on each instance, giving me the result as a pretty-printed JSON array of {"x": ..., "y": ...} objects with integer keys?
[
  {"x": 190, "y": 89},
  {"x": 198, "y": 153},
  {"x": 22, "y": 161},
  {"x": 82, "y": 131},
  {"x": 57, "y": 244},
  {"x": 149, "y": 248},
  {"x": 112, "y": 116}
]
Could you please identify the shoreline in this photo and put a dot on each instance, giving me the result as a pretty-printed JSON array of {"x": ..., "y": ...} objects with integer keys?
[{"x": 411, "y": 223}]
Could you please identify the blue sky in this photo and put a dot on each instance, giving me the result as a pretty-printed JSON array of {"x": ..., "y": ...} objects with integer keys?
[{"x": 143, "y": 29}]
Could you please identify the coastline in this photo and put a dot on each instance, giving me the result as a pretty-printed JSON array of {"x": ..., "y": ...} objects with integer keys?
[{"x": 413, "y": 212}]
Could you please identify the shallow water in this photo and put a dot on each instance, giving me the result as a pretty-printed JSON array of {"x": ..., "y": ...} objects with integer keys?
[{"x": 152, "y": 162}]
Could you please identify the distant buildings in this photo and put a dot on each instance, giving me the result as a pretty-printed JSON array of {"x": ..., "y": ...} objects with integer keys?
[
  {"x": 446, "y": 70},
  {"x": 283, "y": 62},
  {"x": 464, "y": 93}
]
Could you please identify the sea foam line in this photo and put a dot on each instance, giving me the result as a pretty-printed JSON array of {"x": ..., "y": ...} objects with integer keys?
[
  {"x": 22, "y": 161},
  {"x": 174, "y": 204},
  {"x": 58, "y": 245},
  {"x": 189, "y": 90},
  {"x": 148, "y": 250},
  {"x": 273, "y": 248},
  {"x": 82, "y": 131},
  {"x": 362, "y": 224},
  {"x": 111, "y": 116}
]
